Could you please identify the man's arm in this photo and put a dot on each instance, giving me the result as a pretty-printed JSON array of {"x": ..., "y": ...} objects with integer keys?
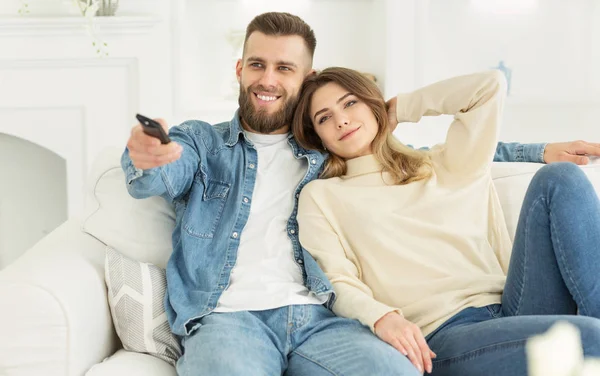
[
  {"x": 155, "y": 169},
  {"x": 516, "y": 152}
]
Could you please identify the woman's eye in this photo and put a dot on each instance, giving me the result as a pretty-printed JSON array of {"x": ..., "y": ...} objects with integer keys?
[
  {"x": 323, "y": 119},
  {"x": 350, "y": 103}
]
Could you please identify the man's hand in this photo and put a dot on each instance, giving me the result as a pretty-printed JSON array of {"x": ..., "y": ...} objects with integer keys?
[
  {"x": 147, "y": 152},
  {"x": 571, "y": 152},
  {"x": 391, "y": 110},
  {"x": 407, "y": 338}
]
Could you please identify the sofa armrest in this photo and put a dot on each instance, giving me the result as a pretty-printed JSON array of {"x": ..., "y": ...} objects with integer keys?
[{"x": 55, "y": 318}]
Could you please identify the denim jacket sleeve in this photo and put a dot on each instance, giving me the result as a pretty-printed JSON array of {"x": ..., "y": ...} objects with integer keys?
[
  {"x": 516, "y": 152},
  {"x": 170, "y": 181}
]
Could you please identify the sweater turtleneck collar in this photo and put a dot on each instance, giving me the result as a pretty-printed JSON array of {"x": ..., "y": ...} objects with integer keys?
[{"x": 362, "y": 165}]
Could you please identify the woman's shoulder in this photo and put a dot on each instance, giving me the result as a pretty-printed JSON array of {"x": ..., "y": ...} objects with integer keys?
[{"x": 318, "y": 186}]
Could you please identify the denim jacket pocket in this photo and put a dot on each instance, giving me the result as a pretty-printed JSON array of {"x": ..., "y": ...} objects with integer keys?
[{"x": 205, "y": 208}]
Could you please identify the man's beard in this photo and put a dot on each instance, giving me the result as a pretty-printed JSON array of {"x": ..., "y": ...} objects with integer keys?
[{"x": 259, "y": 120}]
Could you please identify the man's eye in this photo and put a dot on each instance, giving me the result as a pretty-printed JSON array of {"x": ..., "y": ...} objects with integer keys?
[
  {"x": 284, "y": 68},
  {"x": 350, "y": 103},
  {"x": 256, "y": 65},
  {"x": 323, "y": 119}
]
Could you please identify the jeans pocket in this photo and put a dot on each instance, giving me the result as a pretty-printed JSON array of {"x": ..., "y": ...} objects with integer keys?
[{"x": 495, "y": 310}]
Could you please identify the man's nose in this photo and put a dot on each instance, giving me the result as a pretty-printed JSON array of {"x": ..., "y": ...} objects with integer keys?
[{"x": 268, "y": 80}]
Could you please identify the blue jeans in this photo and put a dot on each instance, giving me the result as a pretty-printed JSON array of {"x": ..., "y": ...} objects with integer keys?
[
  {"x": 553, "y": 273},
  {"x": 299, "y": 340}
]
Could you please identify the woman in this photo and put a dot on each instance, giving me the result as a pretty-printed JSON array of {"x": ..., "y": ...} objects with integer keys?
[{"x": 415, "y": 243}]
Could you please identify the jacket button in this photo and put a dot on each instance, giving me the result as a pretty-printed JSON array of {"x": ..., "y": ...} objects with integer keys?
[
  {"x": 251, "y": 165},
  {"x": 313, "y": 161},
  {"x": 300, "y": 261},
  {"x": 292, "y": 231},
  {"x": 234, "y": 235}
]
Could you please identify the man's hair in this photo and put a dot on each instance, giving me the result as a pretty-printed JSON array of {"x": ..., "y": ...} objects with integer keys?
[
  {"x": 403, "y": 163},
  {"x": 282, "y": 24}
]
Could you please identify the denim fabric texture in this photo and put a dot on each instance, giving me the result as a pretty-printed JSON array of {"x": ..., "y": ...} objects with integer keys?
[
  {"x": 297, "y": 340},
  {"x": 211, "y": 188}
]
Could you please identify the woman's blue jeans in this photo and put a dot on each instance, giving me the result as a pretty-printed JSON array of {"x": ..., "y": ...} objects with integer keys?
[{"x": 554, "y": 273}]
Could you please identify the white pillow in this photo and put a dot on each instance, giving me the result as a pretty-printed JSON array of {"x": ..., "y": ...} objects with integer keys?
[
  {"x": 139, "y": 228},
  {"x": 136, "y": 294}
]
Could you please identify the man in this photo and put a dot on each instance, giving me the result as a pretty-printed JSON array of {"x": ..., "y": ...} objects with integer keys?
[{"x": 242, "y": 293}]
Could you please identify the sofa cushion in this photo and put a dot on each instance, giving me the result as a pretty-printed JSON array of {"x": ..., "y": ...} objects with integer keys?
[
  {"x": 511, "y": 181},
  {"x": 140, "y": 229},
  {"x": 126, "y": 363},
  {"x": 136, "y": 295}
]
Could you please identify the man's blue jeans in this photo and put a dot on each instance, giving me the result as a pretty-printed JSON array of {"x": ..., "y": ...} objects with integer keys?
[
  {"x": 300, "y": 340},
  {"x": 554, "y": 272}
]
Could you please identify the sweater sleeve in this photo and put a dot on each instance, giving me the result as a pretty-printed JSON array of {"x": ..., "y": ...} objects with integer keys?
[
  {"x": 354, "y": 299},
  {"x": 476, "y": 101}
]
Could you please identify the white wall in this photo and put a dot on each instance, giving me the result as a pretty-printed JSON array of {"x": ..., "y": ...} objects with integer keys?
[{"x": 553, "y": 50}]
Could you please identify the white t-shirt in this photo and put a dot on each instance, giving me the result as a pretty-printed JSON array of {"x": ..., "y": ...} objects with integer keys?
[{"x": 265, "y": 275}]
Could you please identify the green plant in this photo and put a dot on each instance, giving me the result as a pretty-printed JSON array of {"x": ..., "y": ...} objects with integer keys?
[{"x": 88, "y": 9}]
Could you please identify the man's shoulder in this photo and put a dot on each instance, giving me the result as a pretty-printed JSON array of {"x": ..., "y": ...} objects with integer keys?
[{"x": 211, "y": 134}]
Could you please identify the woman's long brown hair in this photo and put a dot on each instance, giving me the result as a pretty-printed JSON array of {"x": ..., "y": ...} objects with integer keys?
[{"x": 403, "y": 163}]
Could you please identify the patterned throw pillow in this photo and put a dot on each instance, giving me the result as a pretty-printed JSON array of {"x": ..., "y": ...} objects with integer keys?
[{"x": 136, "y": 293}]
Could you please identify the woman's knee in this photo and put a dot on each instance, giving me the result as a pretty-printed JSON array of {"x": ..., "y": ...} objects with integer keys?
[{"x": 561, "y": 173}]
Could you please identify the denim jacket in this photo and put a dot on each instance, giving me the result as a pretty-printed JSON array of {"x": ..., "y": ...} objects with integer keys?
[{"x": 211, "y": 189}]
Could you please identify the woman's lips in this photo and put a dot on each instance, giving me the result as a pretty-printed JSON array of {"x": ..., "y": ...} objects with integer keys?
[{"x": 348, "y": 134}]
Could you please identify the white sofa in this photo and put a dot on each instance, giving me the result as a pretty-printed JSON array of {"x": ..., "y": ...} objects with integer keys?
[{"x": 55, "y": 319}]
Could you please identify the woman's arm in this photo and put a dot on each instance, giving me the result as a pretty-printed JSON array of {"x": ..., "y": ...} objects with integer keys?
[
  {"x": 354, "y": 299},
  {"x": 476, "y": 101}
]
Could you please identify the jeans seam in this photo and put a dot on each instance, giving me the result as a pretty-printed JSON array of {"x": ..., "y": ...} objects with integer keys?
[
  {"x": 477, "y": 352},
  {"x": 567, "y": 272},
  {"x": 334, "y": 373},
  {"x": 305, "y": 320},
  {"x": 526, "y": 253},
  {"x": 288, "y": 329}
]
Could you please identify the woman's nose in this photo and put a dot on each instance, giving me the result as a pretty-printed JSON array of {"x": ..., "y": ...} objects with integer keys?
[{"x": 342, "y": 123}]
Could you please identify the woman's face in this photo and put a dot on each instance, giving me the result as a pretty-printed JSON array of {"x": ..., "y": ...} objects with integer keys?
[{"x": 345, "y": 124}]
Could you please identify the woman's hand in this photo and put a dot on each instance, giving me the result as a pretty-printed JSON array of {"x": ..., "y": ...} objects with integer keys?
[{"x": 407, "y": 338}]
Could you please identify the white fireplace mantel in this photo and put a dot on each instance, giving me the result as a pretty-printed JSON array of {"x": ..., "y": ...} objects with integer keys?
[{"x": 16, "y": 26}]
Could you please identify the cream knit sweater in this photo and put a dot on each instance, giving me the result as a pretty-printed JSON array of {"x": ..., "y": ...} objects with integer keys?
[{"x": 428, "y": 249}]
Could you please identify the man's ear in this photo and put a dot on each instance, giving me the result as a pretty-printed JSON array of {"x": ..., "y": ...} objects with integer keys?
[
  {"x": 311, "y": 72},
  {"x": 238, "y": 71}
]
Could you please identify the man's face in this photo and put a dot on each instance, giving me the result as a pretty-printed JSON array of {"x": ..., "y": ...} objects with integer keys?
[{"x": 270, "y": 76}]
